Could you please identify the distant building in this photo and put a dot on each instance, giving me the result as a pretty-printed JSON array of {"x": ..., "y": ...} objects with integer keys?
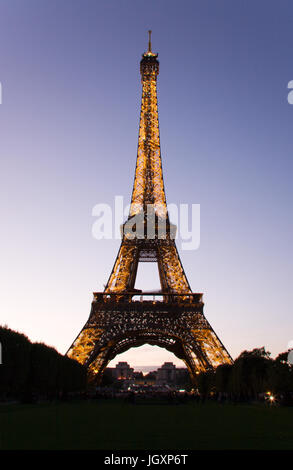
[
  {"x": 148, "y": 379},
  {"x": 122, "y": 371},
  {"x": 166, "y": 374},
  {"x": 169, "y": 374},
  {"x": 182, "y": 376},
  {"x": 138, "y": 378}
]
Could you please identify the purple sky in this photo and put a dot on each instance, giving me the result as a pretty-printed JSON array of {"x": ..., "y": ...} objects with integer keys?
[{"x": 68, "y": 138}]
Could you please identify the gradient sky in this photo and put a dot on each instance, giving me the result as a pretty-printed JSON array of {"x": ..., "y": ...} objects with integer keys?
[{"x": 68, "y": 138}]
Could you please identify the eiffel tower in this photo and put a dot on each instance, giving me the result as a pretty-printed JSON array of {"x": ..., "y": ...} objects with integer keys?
[{"x": 172, "y": 319}]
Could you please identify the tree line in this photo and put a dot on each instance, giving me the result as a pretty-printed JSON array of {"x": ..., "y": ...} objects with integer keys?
[
  {"x": 33, "y": 370},
  {"x": 254, "y": 375},
  {"x": 29, "y": 370}
]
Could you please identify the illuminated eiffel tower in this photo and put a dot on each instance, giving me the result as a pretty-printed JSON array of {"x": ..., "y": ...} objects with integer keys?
[{"x": 172, "y": 319}]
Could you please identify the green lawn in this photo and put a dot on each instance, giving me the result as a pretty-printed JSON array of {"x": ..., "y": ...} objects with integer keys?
[{"x": 110, "y": 424}]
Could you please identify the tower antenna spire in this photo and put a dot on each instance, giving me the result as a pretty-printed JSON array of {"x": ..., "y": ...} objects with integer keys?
[{"x": 150, "y": 41}]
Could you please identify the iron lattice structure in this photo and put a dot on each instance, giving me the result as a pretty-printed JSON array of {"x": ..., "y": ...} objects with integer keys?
[{"x": 173, "y": 317}]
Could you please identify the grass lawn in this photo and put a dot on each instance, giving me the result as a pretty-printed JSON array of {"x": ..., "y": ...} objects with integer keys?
[{"x": 115, "y": 425}]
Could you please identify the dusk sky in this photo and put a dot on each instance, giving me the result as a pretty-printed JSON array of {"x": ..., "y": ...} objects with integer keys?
[{"x": 69, "y": 121}]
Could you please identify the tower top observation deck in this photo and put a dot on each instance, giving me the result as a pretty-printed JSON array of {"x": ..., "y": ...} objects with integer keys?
[{"x": 149, "y": 64}]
